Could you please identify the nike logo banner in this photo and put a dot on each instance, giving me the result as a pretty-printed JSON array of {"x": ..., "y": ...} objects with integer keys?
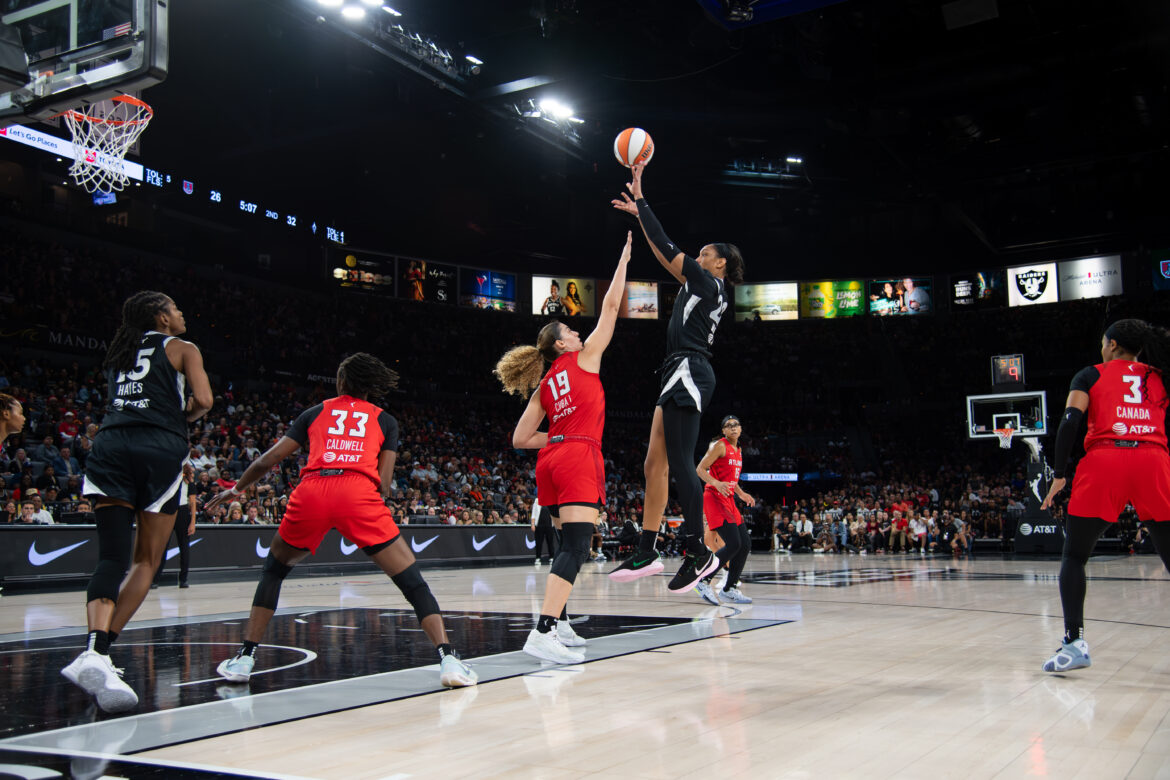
[
  {"x": 478, "y": 545},
  {"x": 40, "y": 559},
  {"x": 419, "y": 547},
  {"x": 261, "y": 550},
  {"x": 347, "y": 549},
  {"x": 173, "y": 551},
  {"x": 529, "y": 543}
]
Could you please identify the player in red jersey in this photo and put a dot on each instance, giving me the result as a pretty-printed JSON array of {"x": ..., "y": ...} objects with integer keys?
[
  {"x": 719, "y": 470},
  {"x": 11, "y": 418},
  {"x": 352, "y": 448},
  {"x": 570, "y": 472},
  {"x": 1126, "y": 461}
]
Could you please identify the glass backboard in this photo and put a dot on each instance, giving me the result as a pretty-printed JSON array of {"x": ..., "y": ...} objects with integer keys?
[{"x": 1025, "y": 413}]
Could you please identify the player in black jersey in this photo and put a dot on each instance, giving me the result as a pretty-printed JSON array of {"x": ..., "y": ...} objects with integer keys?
[
  {"x": 11, "y": 418},
  {"x": 687, "y": 385},
  {"x": 133, "y": 475}
]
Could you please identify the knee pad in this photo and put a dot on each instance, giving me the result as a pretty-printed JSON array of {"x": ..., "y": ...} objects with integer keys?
[
  {"x": 410, "y": 581},
  {"x": 271, "y": 577},
  {"x": 115, "y": 546},
  {"x": 575, "y": 539}
]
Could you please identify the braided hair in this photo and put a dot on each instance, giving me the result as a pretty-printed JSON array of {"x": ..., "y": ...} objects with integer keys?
[
  {"x": 1149, "y": 343},
  {"x": 364, "y": 376},
  {"x": 138, "y": 316}
]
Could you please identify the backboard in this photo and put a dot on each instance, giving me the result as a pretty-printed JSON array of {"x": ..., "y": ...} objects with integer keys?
[
  {"x": 1026, "y": 413},
  {"x": 81, "y": 51}
]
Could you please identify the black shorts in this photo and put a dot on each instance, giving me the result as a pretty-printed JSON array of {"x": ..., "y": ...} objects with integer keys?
[
  {"x": 688, "y": 380},
  {"x": 140, "y": 465}
]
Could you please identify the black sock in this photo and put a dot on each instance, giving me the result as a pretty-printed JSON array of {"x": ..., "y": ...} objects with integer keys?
[
  {"x": 249, "y": 648},
  {"x": 646, "y": 543},
  {"x": 112, "y": 635},
  {"x": 99, "y": 642},
  {"x": 565, "y": 612},
  {"x": 445, "y": 650},
  {"x": 546, "y": 623},
  {"x": 695, "y": 547},
  {"x": 1073, "y": 633}
]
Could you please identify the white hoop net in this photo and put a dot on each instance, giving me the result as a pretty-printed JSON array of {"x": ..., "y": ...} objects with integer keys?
[
  {"x": 1005, "y": 437},
  {"x": 101, "y": 137}
]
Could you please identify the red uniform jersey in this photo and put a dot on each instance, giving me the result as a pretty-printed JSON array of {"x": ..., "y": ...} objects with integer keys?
[
  {"x": 1127, "y": 402},
  {"x": 573, "y": 399},
  {"x": 727, "y": 467},
  {"x": 345, "y": 433}
]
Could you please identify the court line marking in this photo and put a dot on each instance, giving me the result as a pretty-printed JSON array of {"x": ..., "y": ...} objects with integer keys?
[{"x": 157, "y": 762}]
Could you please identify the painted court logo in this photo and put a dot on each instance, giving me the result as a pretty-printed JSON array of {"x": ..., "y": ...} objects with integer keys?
[{"x": 1032, "y": 284}]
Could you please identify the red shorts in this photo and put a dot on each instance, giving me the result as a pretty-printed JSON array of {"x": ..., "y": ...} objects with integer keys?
[
  {"x": 570, "y": 473},
  {"x": 350, "y": 503},
  {"x": 719, "y": 509},
  {"x": 1110, "y": 477}
]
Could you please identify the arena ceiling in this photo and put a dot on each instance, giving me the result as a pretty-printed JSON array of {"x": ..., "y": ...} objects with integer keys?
[{"x": 943, "y": 135}]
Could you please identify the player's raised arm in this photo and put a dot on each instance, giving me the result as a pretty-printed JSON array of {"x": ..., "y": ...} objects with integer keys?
[{"x": 599, "y": 339}]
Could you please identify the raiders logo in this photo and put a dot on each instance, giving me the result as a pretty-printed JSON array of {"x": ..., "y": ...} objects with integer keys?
[{"x": 1032, "y": 284}]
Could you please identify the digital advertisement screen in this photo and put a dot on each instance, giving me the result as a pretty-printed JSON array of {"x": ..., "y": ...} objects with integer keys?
[
  {"x": 828, "y": 300},
  {"x": 1090, "y": 277},
  {"x": 364, "y": 273},
  {"x": 1029, "y": 284},
  {"x": 487, "y": 289},
  {"x": 773, "y": 301},
  {"x": 907, "y": 295},
  {"x": 639, "y": 302},
  {"x": 101, "y": 198},
  {"x": 421, "y": 280},
  {"x": 1161, "y": 268},
  {"x": 978, "y": 290},
  {"x": 564, "y": 296}
]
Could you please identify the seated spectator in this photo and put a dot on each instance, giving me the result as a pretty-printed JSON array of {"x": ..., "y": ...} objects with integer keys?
[
  {"x": 68, "y": 428},
  {"x": 41, "y": 515},
  {"x": 48, "y": 479},
  {"x": 235, "y": 514},
  {"x": 28, "y": 513},
  {"x": 10, "y": 514},
  {"x": 46, "y": 451},
  {"x": 200, "y": 460},
  {"x": 65, "y": 465},
  {"x": 805, "y": 539}
]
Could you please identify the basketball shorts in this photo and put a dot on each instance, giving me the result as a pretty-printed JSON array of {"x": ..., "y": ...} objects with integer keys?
[
  {"x": 141, "y": 465},
  {"x": 348, "y": 502},
  {"x": 570, "y": 473},
  {"x": 687, "y": 380},
  {"x": 1109, "y": 477},
  {"x": 718, "y": 509}
]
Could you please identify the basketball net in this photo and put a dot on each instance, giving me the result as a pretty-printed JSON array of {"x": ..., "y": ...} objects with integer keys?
[
  {"x": 1005, "y": 437},
  {"x": 101, "y": 137}
]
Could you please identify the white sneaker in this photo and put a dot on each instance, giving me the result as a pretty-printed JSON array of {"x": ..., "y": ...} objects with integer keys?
[
  {"x": 453, "y": 673},
  {"x": 1074, "y": 655},
  {"x": 569, "y": 637},
  {"x": 548, "y": 647},
  {"x": 707, "y": 593},
  {"x": 237, "y": 669},
  {"x": 721, "y": 583},
  {"x": 734, "y": 595},
  {"x": 96, "y": 675}
]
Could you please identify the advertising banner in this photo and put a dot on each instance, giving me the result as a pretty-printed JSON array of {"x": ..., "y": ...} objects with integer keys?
[
  {"x": 1029, "y": 284},
  {"x": 564, "y": 296},
  {"x": 829, "y": 300},
  {"x": 771, "y": 301},
  {"x": 1090, "y": 277}
]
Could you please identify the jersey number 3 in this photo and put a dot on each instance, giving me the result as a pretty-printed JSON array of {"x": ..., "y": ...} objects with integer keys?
[
  {"x": 359, "y": 419},
  {"x": 1134, "y": 396}
]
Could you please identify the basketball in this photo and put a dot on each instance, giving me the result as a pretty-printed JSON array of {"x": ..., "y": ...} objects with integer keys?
[{"x": 633, "y": 145}]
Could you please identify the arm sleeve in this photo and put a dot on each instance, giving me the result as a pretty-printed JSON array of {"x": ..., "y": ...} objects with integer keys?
[
  {"x": 389, "y": 428},
  {"x": 299, "y": 430},
  {"x": 1066, "y": 436},
  {"x": 1085, "y": 379},
  {"x": 654, "y": 231}
]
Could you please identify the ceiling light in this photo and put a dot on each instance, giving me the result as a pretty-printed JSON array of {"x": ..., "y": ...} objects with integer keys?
[
  {"x": 391, "y": 11},
  {"x": 331, "y": 3},
  {"x": 474, "y": 60},
  {"x": 353, "y": 12},
  {"x": 556, "y": 108},
  {"x": 372, "y": 3}
]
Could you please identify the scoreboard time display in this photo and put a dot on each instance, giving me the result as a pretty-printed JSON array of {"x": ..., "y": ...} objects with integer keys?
[{"x": 1007, "y": 370}]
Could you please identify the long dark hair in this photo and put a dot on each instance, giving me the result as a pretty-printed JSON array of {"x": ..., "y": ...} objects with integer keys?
[
  {"x": 733, "y": 274},
  {"x": 364, "y": 376},
  {"x": 138, "y": 315},
  {"x": 1149, "y": 343}
]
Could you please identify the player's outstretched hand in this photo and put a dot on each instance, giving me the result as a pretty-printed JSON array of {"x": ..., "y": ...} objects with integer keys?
[
  {"x": 1057, "y": 486},
  {"x": 222, "y": 498},
  {"x": 626, "y": 204},
  {"x": 628, "y": 248}
]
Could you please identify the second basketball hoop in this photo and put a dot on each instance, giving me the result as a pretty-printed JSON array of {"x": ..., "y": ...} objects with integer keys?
[{"x": 102, "y": 134}]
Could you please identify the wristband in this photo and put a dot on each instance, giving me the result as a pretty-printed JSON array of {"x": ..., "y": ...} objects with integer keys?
[{"x": 235, "y": 491}]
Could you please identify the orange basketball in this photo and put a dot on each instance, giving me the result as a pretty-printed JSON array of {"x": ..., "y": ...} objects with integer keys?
[{"x": 633, "y": 145}]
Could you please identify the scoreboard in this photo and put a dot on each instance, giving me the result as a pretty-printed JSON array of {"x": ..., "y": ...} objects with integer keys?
[{"x": 1007, "y": 370}]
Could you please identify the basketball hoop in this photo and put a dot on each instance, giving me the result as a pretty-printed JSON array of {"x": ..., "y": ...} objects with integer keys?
[
  {"x": 1005, "y": 437},
  {"x": 101, "y": 138}
]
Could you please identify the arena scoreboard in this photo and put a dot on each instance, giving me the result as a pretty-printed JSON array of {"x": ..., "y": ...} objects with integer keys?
[{"x": 1007, "y": 370}]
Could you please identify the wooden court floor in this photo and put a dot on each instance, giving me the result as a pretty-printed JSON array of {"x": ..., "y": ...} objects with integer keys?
[{"x": 887, "y": 666}]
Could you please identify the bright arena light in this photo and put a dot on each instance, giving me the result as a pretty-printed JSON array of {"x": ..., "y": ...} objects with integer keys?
[
  {"x": 353, "y": 12},
  {"x": 372, "y": 3},
  {"x": 474, "y": 60},
  {"x": 331, "y": 3},
  {"x": 556, "y": 108},
  {"x": 391, "y": 11}
]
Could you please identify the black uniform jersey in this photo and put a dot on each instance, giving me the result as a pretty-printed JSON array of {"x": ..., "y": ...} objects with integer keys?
[
  {"x": 151, "y": 393},
  {"x": 697, "y": 310}
]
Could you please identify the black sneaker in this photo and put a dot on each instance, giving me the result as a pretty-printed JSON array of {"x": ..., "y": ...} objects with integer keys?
[
  {"x": 639, "y": 564},
  {"x": 693, "y": 569}
]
